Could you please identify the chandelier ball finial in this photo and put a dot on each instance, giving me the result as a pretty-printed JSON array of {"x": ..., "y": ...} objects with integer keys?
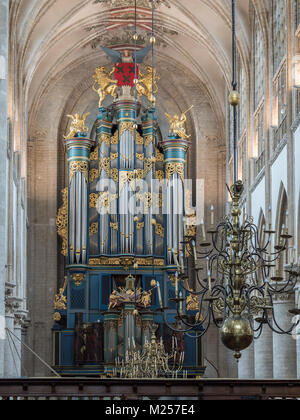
[
  {"x": 234, "y": 98},
  {"x": 237, "y": 334}
]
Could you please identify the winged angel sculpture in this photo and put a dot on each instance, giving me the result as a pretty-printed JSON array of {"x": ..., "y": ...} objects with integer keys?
[
  {"x": 77, "y": 125},
  {"x": 177, "y": 124}
]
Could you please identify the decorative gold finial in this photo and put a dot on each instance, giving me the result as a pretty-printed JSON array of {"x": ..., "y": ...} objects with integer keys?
[
  {"x": 77, "y": 125},
  {"x": 177, "y": 124}
]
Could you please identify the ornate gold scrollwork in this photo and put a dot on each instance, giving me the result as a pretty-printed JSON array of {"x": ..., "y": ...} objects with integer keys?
[
  {"x": 159, "y": 230},
  {"x": 140, "y": 226},
  {"x": 125, "y": 176},
  {"x": 175, "y": 167},
  {"x": 117, "y": 261},
  {"x": 93, "y": 229},
  {"x": 62, "y": 222},
  {"x": 78, "y": 166},
  {"x": 148, "y": 140},
  {"x": 94, "y": 174},
  {"x": 78, "y": 278},
  {"x": 140, "y": 156},
  {"x": 93, "y": 200},
  {"x": 104, "y": 138},
  {"x": 192, "y": 303},
  {"x": 114, "y": 174},
  {"x": 95, "y": 154},
  {"x": 159, "y": 175},
  {"x": 114, "y": 139},
  {"x": 114, "y": 156},
  {"x": 159, "y": 156},
  {"x": 104, "y": 163},
  {"x": 105, "y": 198},
  {"x": 114, "y": 226}
]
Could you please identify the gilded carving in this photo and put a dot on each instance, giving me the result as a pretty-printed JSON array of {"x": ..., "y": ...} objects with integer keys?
[
  {"x": 115, "y": 138},
  {"x": 107, "y": 85},
  {"x": 147, "y": 83},
  {"x": 78, "y": 278},
  {"x": 175, "y": 167},
  {"x": 104, "y": 138},
  {"x": 114, "y": 156},
  {"x": 60, "y": 301},
  {"x": 140, "y": 156},
  {"x": 62, "y": 222},
  {"x": 93, "y": 200},
  {"x": 159, "y": 156},
  {"x": 192, "y": 302},
  {"x": 95, "y": 154},
  {"x": 125, "y": 176},
  {"x": 140, "y": 226},
  {"x": 159, "y": 230},
  {"x": 78, "y": 166},
  {"x": 159, "y": 175},
  {"x": 104, "y": 163},
  {"x": 93, "y": 229},
  {"x": 117, "y": 261},
  {"x": 177, "y": 124},
  {"x": 148, "y": 140},
  {"x": 114, "y": 173},
  {"x": 77, "y": 125},
  {"x": 94, "y": 174},
  {"x": 114, "y": 226}
]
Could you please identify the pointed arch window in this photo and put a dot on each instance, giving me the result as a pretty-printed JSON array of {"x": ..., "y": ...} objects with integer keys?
[
  {"x": 279, "y": 32},
  {"x": 259, "y": 63}
]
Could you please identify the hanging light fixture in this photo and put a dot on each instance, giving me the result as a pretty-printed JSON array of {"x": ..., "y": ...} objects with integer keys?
[{"x": 241, "y": 273}]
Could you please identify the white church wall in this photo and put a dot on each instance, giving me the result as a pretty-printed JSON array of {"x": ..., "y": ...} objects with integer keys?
[
  {"x": 258, "y": 200},
  {"x": 297, "y": 184},
  {"x": 297, "y": 221},
  {"x": 278, "y": 177}
]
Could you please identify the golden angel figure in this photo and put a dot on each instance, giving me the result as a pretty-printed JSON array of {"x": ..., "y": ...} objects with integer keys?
[
  {"x": 113, "y": 300},
  {"x": 146, "y": 299},
  {"x": 77, "y": 125},
  {"x": 144, "y": 85},
  {"x": 107, "y": 85},
  {"x": 177, "y": 124},
  {"x": 192, "y": 303}
]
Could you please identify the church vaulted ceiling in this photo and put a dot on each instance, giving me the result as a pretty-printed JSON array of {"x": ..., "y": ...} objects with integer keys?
[{"x": 56, "y": 36}]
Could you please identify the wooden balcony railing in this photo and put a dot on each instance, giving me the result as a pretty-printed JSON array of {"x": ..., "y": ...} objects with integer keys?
[{"x": 109, "y": 389}]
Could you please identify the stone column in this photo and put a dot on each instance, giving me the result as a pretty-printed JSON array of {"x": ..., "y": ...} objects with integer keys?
[
  {"x": 246, "y": 363},
  {"x": 18, "y": 345},
  {"x": 284, "y": 346},
  {"x": 4, "y": 30},
  {"x": 263, "y": 354},
  {"x": 9, "y": 370}
]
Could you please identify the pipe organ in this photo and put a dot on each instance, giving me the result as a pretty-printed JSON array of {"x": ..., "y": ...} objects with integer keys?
[{"x": 121, "y": 225}]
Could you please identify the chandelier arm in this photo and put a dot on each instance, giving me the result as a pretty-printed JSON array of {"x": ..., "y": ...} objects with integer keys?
[
  {"x": 185, "y": 331},
  {"x": 284, "y": 287},
  {"x": 256, "y": 337},
  {"x": 280, "y": 330}
]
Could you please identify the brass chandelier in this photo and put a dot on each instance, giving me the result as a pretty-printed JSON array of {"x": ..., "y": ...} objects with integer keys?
[
  {"x": 237, "y": 271},
  {"x": 152, "y": 361}
]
